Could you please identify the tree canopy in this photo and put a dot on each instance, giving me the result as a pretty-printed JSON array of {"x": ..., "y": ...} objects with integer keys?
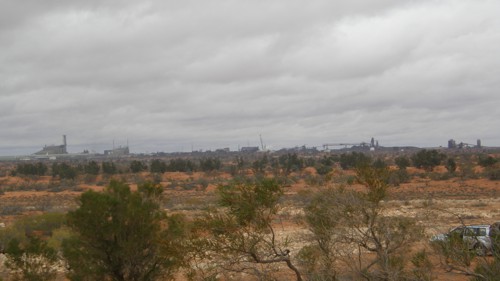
[
  {"x": 122, "y": 235},
  {"x": 427, "y": 159}
]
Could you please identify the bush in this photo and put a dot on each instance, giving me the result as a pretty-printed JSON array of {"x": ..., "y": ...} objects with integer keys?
[
  {"x": 379, "y": 164},
  {"x": 158, "y": 166},
  {"x": 64, "y": 171},
  {"x": 109, "y": 168},
  {"x": 427, "y": 159},
  {"x": 333, "y": 213},
  {"x": 486, "y": 161},
  {"x": 29, "y": 169},
  {"x": 210, "y": 164},
  {"x": 137, "y": 166},
  {"x": 423, "y": 266},
  {"x": 91, "y": 168},
  {"x": 467, "y": 168},
  {"x": 398, "y": 177},
  {"x": 123, "y": 235},
  {"x": 259, "y": 166},
  {"x": 322, "y": 169},
  {"x": 312, "y": 180},
  {"x": 353, "y": 160},
  {"x": 32, "y": 261},
  {"x": 493, "y": 174},
  {"x": 451, "y": 165},
  {"x": 290, "y": 162},
  {"x": 402, "y": 162},
  {"x": 43, "y": 225},
  {"x": 181, "y": 165},
  {"x": 329, "y": 160}
]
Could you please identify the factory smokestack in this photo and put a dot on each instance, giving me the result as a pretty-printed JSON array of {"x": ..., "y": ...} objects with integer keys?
[{"x": 64, "y": 144}]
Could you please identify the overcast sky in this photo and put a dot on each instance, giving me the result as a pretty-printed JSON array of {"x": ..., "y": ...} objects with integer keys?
[{"x": 173, "y": 75}]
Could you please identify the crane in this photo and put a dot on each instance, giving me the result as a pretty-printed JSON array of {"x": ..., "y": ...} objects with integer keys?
[{"x": 261, "y": 143}]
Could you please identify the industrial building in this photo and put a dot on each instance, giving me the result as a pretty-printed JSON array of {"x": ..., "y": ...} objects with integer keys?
[
  {"x": 54, "y": 149},
  {"x": 249, "y": 149},
  {"x": 117, "y": 151},
  {"x": 452, "y": 144},
  {"x": 120, "y": 151}
]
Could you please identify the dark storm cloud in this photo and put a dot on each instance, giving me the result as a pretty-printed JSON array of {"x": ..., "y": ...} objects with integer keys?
[{"x": 172, "y": 74}]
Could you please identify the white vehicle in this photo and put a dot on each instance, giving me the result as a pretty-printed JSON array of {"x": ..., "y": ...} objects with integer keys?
[{"x": 476, "y": 237}]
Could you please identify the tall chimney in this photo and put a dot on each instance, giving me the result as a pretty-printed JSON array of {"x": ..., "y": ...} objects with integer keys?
[{"x": 64, "y": 143}]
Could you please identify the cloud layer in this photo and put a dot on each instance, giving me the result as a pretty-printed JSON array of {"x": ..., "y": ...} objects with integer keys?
[{"x": 177, "y": 75}]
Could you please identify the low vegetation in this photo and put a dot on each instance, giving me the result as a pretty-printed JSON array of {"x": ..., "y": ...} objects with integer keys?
[{"x": 340, "y": 226}]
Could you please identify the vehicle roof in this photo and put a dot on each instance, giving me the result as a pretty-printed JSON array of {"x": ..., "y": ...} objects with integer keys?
[{"x": 471, "y": 226}]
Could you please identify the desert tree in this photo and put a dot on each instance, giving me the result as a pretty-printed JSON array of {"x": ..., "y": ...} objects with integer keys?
[
  {"x": 38, "y": 169},
  {"x": 451, "y": 165},
  {"x": 238, "y": 167},
  {"x": 402, "y": 162},
  {"x": 259, "y": 165},
  {"x": 492, "y": 170},
  {"x": 427, "y": 159},
  {"x": 486, "y": 160},
  {"x": 64, "y": 171},
  {"x": 137, "y": 166},
  {"x": 320, "y": 258},
  {"x": 241, "y": 233},
  {"x": 181, "y": 165},
  {"x": 290, "y": 162},
  {"x": 423, "y": 267},
  {"x": 350, "y": 228},
  {"x": 353, "y": 160},
  {"x": 210, "y": 164},
  {"x": 379, "y": 163},
  {"x": 123, "y": 235},
  {"x": 109, "y": 168},
  {"x": 400, "y": 175},
  {"x": 91, "y": 168},
  {"x": 158, "y": 166}
]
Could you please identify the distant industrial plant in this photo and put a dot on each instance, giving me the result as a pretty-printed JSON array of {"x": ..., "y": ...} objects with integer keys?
[
  {"x": 452, "y": 144},
  {"x": 53, "y": 152},
  {"x": 119, "y": 151},
  {"x": 54, "y": 149},
  {"x": 61, "y": 151}
]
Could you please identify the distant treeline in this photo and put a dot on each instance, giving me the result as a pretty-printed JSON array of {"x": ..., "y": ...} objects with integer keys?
[{"x": 268, "y": 163}]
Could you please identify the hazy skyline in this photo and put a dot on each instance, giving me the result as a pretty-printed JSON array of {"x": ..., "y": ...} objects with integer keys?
[{"x": 176, "y": 75}]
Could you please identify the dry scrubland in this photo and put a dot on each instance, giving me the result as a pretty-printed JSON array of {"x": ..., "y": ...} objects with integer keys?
[{"x": 435, "y": 198}]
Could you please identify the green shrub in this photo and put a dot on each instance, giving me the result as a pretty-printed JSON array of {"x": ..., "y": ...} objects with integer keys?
[
  {"x": 322, "y": 169},
  {"x": 137, "y": 166},
  {"x": 398, "y": 177},
  {"x": 353, "y": 160},
  {"x": 493, "y": 174},
  {"x": 486, "y": 161},
  {"x": 427, "y": 159}
]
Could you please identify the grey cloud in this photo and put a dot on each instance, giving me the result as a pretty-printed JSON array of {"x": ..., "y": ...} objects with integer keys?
[{"x": 169, "y": 73}]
